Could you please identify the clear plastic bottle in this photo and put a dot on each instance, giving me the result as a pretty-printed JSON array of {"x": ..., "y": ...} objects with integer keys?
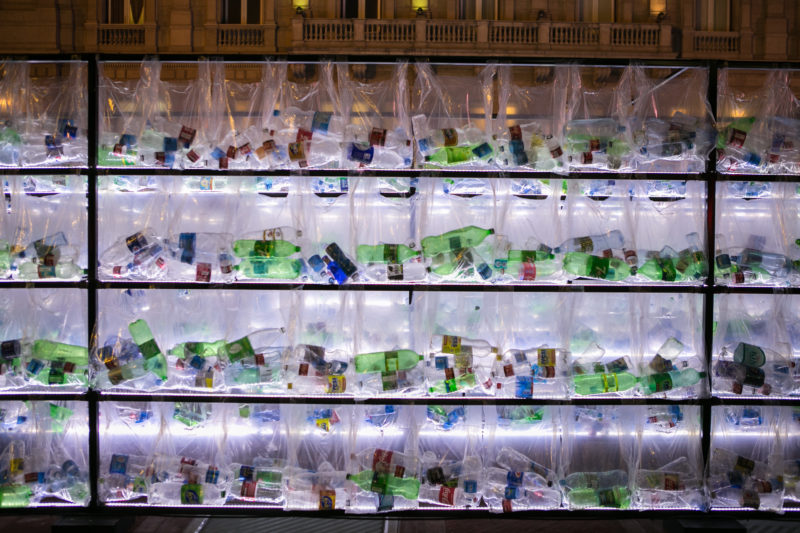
[
  {"x": 613, "y": 240},
  {"x": 515, "y": 461}
]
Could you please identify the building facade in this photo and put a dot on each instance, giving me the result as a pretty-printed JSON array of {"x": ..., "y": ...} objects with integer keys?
[{"x": 761, "y": 30}]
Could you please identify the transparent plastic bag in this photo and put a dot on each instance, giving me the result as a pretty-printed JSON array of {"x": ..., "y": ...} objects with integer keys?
[
  {"x": 310, "y": 126},
  {"x": 386, "y": 360},
  {"x": 270, "y": 236},
  {"x": 522, "y": 457},
  {"x": 46, "y": 123},
  {"x": 752, "y": 351},
  {"x": 199, "y": 244},
  {"x": 599, "y": 233},
  {"x": 43, "y": 334},
  {"x": 671, "y": 122},
  {"x": 319, "y": 446},
  {"x": 529, "y": 226},
  {"x": 602, "y": 341},
  {"x": 383, "y": 470},
  {"x": 44, "y": 453},
  {"x": 460, "y": 334},
  {"x": 670, "y": 347},
  {"x": 49, "y": 231},
  {"x": 745, "y": 464},
  {"x": 450, "y": 455},
  {"x": 668, "y": 232},
  {"x": 757, "y": 129},
  {"x": 256, "y": 451},
  {"x": 790, "y": 431},
  {"x": 450, "y": 115},
  {"x": 534, "y": 362},
  {"x": 320, "y": 361},
  {"x": 596, "y": 131},
  {"x": 599, "y": 456},
  {"x": 752, "y": 246},
  {"x": 327, "y": 219},
  {"x": 530, "y": 118},
  {"x": 132, "y": 227},
  {"x": 374, "y": 99},
  {"x": 790, "y": 315},
  {"x": 457, "y": 231},
  {"x": 385, "y": 223}
]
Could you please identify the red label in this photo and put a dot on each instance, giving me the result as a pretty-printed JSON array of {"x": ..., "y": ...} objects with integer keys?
[
  {"x": 245, "y": 149},
  {"x": 377, "y": 137},
  {"x": 268, "y": 146},
  {"x": 399, "y": 471},
  {"x": 303, "y": 135},
  {"x": 382, "y": 458},
  {"x": 586, "y": 158},
  {"x": 447, "y": 495},
  {"x": 507, "y": 506},
  {"x": 248, "y": 489},
  {"x": 259, "y": 359},
  {"x": 203, "y": 272},
  {"x": 449, "y": 374},
  {"x": 117, "y": 271},
  {"x": 594, "y": 145},
  {"x": 508, "y": 370},
  {"x": 223, "y": 162},
  {"x": 528, "y": 271},
  {"x": 69, "y": 368},
  {"x": 231, "y": 153},
  {"x": 303, "y": 370},
  {"x": 192, "y": 156}
]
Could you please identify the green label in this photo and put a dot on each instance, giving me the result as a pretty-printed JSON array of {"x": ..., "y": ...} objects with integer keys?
[
  {"x": 240, "y": 349},
  {"x": 192, "y": 494},
  {"x": 661, "y": 382},
  {"x": 391, "y": 361},
  {"x": 149, "y": 349}
]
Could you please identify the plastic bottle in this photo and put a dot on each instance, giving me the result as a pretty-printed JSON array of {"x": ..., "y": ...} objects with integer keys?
[
  {"x": 252, "y": 344},
  {"x": 462, "y": 263},
  {"x": 324, "y": 362},
  {"x": 666, "y": 381},
  {"x": 616, "y": 497},
  {"x": 660, "y": 269},
  {"x": 593, "y": 128},
  {"x": 188, "y": 350},
  {"x": 467, "y": 237},
  {"x": 44, "y": 246},
  {"x": 778, "y": 265},
  {"x": 410, "y": 271},
  {"x": 270, "y": 268},
  {"x": 586, "y": 384},
  {"x": 155, "y": 361},
  {"x": 612, "y": 240},
  {"x": 381, "y": 460},
  {"x": 592, "y": 266},
  {"x": 264, "y": 248},
  {"x": 191, "y": 248},
  {"x": 724, "y": 461},
  {"x": 15, "y": 495},
  {"x": 515, "y": 461},
  {"x": 172, "y": 493},
  {"x": 469, "y": 348},
  {"x": 385, "y": 253},
  {"x": 59, "y": 351},
  {"x": 386, "y": 484},
  {"x": 460, "y": 382},
  {"x": 137, "y": 255},
  {"x": 390, "y": 361},
  {"x": 62, "y": 270},
  {"x": 596, "y": 480}
]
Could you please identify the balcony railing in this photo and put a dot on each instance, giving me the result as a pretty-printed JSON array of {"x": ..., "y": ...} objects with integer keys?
[
  {"x": 717, "y": 43},
  {"x": 513, "y": 33},
  {"x": 118, "y": 36},
  {"x": 240, "y": 36},
  {"x": 422, "y": 35}
]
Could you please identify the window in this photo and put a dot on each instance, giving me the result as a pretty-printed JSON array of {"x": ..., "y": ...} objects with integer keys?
[
  {"x": 371, "y": 9},
  {"x": 241, "y": 12},
  {"x": 123, "y": 11},
  {"x": 596, "y": 11},
  {"x": 713, "y": 15},
  {"x": 465, "y": 9}
]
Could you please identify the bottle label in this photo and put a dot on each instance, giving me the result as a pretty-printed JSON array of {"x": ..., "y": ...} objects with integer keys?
[
  {"x": 361, "y": 155},
  {"x": 450, "y": 136},
  {"x": 192, "y": 494},
  {"x": 389, "y": 381},
  {"x": 484, "y": 150},
  {"x": 737, "y": 137},
  {"x": 381, "y": 460},
  {"x": 451, "y": 344},
  {"x": 464, "y": 359},
  {"x": 248, "y": 489},
  {"x": 377, "y": 137},
  {"x": 186, "y": 136},
  {"x": 546, "y": 356},
  {"x": 327, "y": 500},
  {"x": 507, "y": 507},
  {"x": 585, "y": 244},
  {"x": 391, "y": 361},
  {"x": 10, "y": 349},
  {"x": 447, "y": 495},
  {"x": 394, "y": 271},
  {"x": 617, "y": 365},
  {"x": 744, "y": 465},
  {"x": 511, "y": 493},
  {"x": 336, "y": 384},
  {"x": 514, "y": 479},
  {"x": 390, "y": 253},
  {"x": 607, "y": 498},
  {"x": 149, "y": 349},
  {"x": 119, "y": 464},
  {"x": 470, "y": 486},
  {"x": 751, "y": 499},
  {"x": 203, "y": 272},
  {"x": 515, "y": 132},
  {"x": 528, "y": 271},
  {"x": 672, "y": 482},
  {"x": 240, "y": 349},
  {"x": 450, "y": 385},
  {"x": 321, "y": 121},
  {"x": 661, "y": 382},
  {"x": 749, "y": 355},
  {"x": 385, "y": 502},
  {"x": 212, "y": 475},
  {"x": 297, "y": 151},
  {"x": 660, "y": 365},
  {"x": 435, "y": 475},
  {"x": 508, "y": 370},
  {"x": 449, "y": 374},
  {"x": 610, "y": 383}
]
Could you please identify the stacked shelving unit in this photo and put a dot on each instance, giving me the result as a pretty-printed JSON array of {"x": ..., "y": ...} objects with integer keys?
[{"x": 609, "y": 387}]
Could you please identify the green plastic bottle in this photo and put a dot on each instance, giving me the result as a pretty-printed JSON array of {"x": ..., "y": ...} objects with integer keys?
[
  {"x": 529, "y": 255},
  {"x": 660, "y": 269},
  {"x": 390, "y": 361},
  {"x": 58, "y": 351},
  {"x": 203, "y": 349},
  {"x": 386, "y": 484},
  {"x": 155, "y": 361},
  {"x": 592, "y": 266},
  {"x": 454, "y": 155},
  {"x": 467, "y": 237},
  {"x": 616, "y": 497},
  {"x": 270, "y": 267},
  {"x": 267, "y": 248},
  {"x": 5, "y": 257},
  {"x": 447, "y": 386},
  {"x": 15, "y": 496},
  {"x": 384, "y": 253},
  {"x": 675, "y": 379},
  {"x": 586, "y": 384},
  {"x": 743, "y": 124}
]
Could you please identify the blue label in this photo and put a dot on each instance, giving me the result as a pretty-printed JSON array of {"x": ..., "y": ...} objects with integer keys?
[
  {"x": 482, "y": 150},
  {"x": 197, "y": 362},
  {"x": 321, "y": 121},
  {"x": 470, "y": 486},
  {"x": 217, "y": 153},
  {"x": 119, "y": 464},
  {"x": 514, "y": 479},
  {"x": 170, "y": 144},
  {"x": 363, "y": 156},
  {"x": 511, "y": 493},
  {"x": 187, "y": 240},
  {"x": 128, "y": 140},
  {"x": 246, "y": 473},
  {"x": 524, "y": 386},
  {"x": 212, "y": 475},
  {"x": 441, "y": 362}
]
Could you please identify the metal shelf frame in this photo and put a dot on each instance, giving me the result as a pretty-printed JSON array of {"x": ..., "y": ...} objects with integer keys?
[{"x": 92, "y": 284}]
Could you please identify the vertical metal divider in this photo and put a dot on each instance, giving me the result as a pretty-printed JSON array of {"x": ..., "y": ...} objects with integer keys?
[
  {"x": 708, "y": 304},
  {"x": 93, "y": 397}
]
